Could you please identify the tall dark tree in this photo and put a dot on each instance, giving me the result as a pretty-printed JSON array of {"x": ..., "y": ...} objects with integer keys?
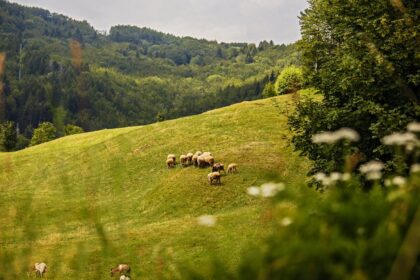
[
  {"x": 8, "y": 136},
  {"x": 363, "y": 57}
]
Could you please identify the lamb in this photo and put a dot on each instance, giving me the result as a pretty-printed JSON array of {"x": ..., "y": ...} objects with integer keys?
[
  {"x": 170, "y": 163},
  {"x": 183, "y": 160},
  {"x": 121, "y": 269},
  {"x": 232, "y": 168},
  {"x": 218, "y": 167},
  {"x": 214, "y": 177},
  {"x": 40, "y": 269},
  {"x": 172, "y": 156}
]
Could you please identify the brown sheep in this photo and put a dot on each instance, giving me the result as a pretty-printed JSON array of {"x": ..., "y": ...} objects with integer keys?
[
  {"x": 218, "y": 167},
  {"x": 214, "y": 177},
  {"x": 170, "y": 163},
  {"x": 232, "y": 168},
  {"x": 121, "y": 269}
]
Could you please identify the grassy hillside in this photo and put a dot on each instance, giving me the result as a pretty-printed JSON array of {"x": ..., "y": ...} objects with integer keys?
[{"x": 86, "y": 202}]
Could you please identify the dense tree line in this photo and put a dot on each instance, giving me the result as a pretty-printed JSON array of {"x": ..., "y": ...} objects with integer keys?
[
  {"x": 63, "y": 71},
  {"x": 364, "y": 59}
]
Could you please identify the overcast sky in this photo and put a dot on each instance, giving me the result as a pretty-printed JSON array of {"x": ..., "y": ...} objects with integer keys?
[{"x": 222, "y": 20}]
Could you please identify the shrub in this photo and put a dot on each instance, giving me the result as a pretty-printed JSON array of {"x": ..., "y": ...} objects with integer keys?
[
  {"x": 289, "y": 80},
  {"x": 45, "y": 132},
  {"x": 72, "y": 129}
]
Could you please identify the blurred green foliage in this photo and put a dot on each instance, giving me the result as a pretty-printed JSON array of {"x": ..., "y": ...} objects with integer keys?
[{"x": 363, "y": 57}]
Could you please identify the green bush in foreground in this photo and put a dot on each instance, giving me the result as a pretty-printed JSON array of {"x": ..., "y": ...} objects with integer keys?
[{"x": 289, "y": 80}]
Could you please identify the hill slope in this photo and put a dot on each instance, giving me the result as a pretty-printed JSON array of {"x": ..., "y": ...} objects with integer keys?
[
  {"x": 63, "y": 71},
  {"x": 89, "y": 201}
]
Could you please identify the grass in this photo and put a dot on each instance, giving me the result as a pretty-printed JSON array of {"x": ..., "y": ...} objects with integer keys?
[{"x": 87, "y": 202}]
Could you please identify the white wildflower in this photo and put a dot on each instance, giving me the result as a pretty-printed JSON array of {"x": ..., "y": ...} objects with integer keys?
[
  {"x": 413, "y": 127},
  {"x": 332, "y": 137},
  {"x": 346, "y": 177},
  {"x": 207, "y": 220},
  {"x": 327, "y": 181},
  {"x": 335, "y": 176},
  {"x": 415, "y": 168},
  {"x": 371, "y": 166},
  {"x": 399, "y": 181},
  {"x": 286, "y": 221},
  {"x": 347, "y": 134},
  {"x": 271, "y": 189},
  {"x": 399, "y": 139},
  {"x": 324, "y": 137},
  {"x": 320, "y": 176},
  {"x": 388, "y": 183},
  {"x": 254, "y": 191},
  {"x": 375, "y": 175}
]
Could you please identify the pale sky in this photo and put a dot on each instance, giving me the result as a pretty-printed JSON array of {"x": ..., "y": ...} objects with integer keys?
[{"x": 221, "y": 20}]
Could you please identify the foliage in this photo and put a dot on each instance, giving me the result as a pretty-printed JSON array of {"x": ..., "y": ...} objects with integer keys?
[
  {"x": 44, "y": 133},
  {"x": 72, "y": 129},
  {"x": 128, "y": 77},
  {"x": 362, "y": 57},
  {"x": 8, "y": 136},
  {"x": 289, "y": 80}
]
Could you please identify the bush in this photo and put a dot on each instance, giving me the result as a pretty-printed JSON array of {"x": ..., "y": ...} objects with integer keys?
[
  {"x": 289, "y": 80},
  {"x": 45, "y": 132},
  {"x": 72, "y": 129}
]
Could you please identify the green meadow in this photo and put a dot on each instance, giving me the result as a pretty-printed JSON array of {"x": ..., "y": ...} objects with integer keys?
[{"x": 86, "y": 202}]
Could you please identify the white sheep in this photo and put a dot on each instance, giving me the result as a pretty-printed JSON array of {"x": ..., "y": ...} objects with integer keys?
[
  {"x": 232, "y": 168},
  {"x": 170, "y": 163},
  {"x": 183, "y": 160},
  {"x": 40, "y": 269},
  {"x": 121, "y": 269},
  {"x": 214, "y": 177}
]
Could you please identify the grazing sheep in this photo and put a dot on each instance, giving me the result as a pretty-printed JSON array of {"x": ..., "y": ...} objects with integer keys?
[
  {"x": 214, "y": 177},
  {"x": 198, "y": 153},
  {"x": 218, "y": 167},
  {"x": 232, "y": 168},
  {"x": 183, "y": 160},
  {"x": 194, "y": 160},
  {"x": 170, "y": 163},
  {"x": 205, "y": 154},
  {"x": 172, "y": 156},
  {"x": 40, "y": 269},
  {"x": 121, "y": 269},
  {"x": 189, "y": 158},
  {"x": 204, "y": 161}
]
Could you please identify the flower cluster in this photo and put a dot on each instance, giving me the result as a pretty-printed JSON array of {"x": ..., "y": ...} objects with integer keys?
[
  {"x": 266, "y": 190},
  {"x": 207, "y": 220},
  {"x": 415, "y": 168},
  {"x": 372, "y": 170},
  {"x": 413, "y": 127},
  {"x": 396, "y": 181},
  {"x": 334, "y": 177},
  {"x": 399, "y": 139},
  {"x": 335, "y": 136}
]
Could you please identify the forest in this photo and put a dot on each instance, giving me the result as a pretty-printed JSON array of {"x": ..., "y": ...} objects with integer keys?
[{"x": 64, "y": 72}]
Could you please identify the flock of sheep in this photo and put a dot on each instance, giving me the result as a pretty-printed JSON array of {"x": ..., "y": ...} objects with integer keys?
[
  {"x": 122, "y": 269},
  {"x": 199, "y": 159},
  {"x": 202, "y": 160}
]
